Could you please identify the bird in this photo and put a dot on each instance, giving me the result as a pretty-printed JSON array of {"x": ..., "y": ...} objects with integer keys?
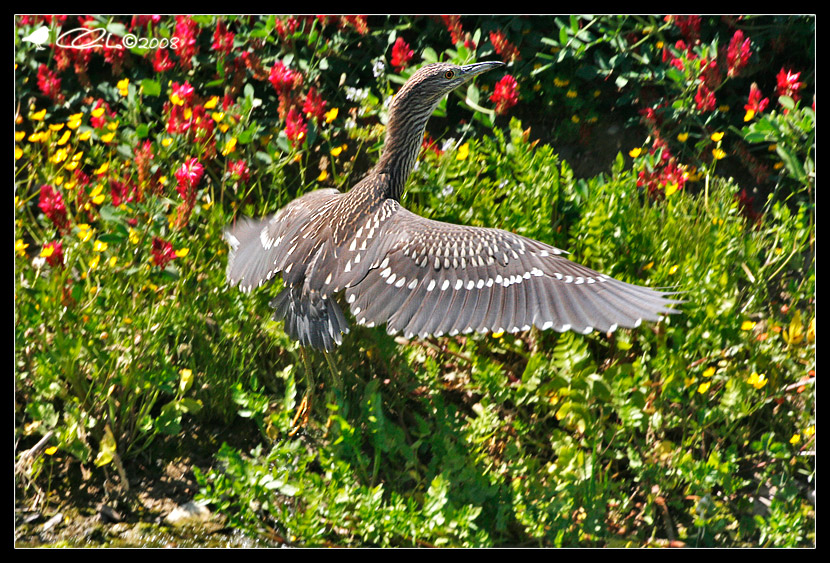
[
  {"x": 418, "y": 276},
  {"x": 38, "y": 37}
]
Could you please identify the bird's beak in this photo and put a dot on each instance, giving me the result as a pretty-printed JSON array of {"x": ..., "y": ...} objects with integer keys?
[{"x": 469, "y": 71}]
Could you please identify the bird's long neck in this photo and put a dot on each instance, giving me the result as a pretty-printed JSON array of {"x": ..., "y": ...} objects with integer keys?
[{"x": 404, "y": 135}]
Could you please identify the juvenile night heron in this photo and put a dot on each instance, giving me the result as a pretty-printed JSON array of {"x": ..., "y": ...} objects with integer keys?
[{"x": 420, "y": 277}]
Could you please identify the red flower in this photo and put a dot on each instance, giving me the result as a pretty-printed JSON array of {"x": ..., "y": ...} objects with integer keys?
[
  {"x": 162, "y": 61},
  {"x": 287, "y": 26},
  {"x": 505, "y": 94},
  {"x": 453, "y": 24},
  {"x": 162, "y": 252},
  {"x": 121, "y": 192},
  {"x": 239, "y": 171},
  {"x": 52, "y": 204},
  {"x": 504, "y": 47},
  {"x": 49, "y": 83},
  {"x": 295, "y": 128},
  {"x": 357, "y": 22},
  {"x": 401, "y": 54},
  {"x": 188, "y": 177},
  {"x": 705, "y": 98},
  {"x": 101, "y": 120},
  {"x": 55, "y": 258},
  {"x": 222, "y": 39},
  {"x": 788, "y": 84},
  {"x": 283, "y": 79},
  {"x": 737, "y": 54},
  {"x": 314, "y": 106},
  {"x": 186, "y": 34},
  {"x": 689, "y": 26},
  {"x": 755, "y": 104}
]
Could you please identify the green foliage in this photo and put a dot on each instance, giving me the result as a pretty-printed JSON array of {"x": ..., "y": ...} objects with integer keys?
[{"x": 697, "y": 430}]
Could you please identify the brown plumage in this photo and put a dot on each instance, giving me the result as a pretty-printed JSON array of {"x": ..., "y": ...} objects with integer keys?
[{"x": 420, "y": 277}]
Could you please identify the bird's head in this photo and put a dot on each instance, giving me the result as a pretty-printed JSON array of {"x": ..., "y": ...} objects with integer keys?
[{"x": 432, "y": 82}]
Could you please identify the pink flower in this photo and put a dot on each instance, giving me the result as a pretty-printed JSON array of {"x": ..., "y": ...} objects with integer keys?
[
  {"x": 737, "y": 54},
  {"x": 314, "y": 106},
  {"x": 295, "y": 128},
  {"x": 401, "y": 54},
  {"x": 52, "y": 204},
  {"x": 505, "y": 94},
  {"x": 689, "y": 26},
  {"x": 162, "y": 252},
  {"x": 788, "y": 84}
]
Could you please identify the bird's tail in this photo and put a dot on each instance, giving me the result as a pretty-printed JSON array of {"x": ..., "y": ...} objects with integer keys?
[{"x": 317, "y": 321}]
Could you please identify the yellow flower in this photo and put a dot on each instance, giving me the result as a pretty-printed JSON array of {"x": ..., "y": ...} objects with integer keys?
[
  {"x": 747, "y": 325},
  {"x": 717, "y": 136},
  {"x": 673, "y": 269},
  {"x": 330, "y": 115},
  {"x": 166, "y": 142},
  {"x": 93, "y": 263},
  {"x": 99, "y": 246},
  {"x": 757, "y": 380},
  {"x": 96, "y": 196},
  {"x": 709, "y": 372},
  {"x": 37, "y": 137},
  {"x": 59, "y": 156},
  {"x": 498, "y": 334},
  {"x": 671, "y": 188},
  {"x": 102, "y": 169},
  {"x": 85, "y": 135},
  {"x": 635, "y": 152},
  {"x": 229, "y": 146},
  {"x": 113, "y": 259},
  {"x": 337, "y": 150},
  {"x": 55, "y": 126},
  {"x": 51, "y": 451},
  {"x": 682, "y": 137},
  {"x": 64, "y": 137},
  {"x": 211, "y": 103},
  {"x": 18, "y": 152},
  {"x": 575, "y": 118},
  {"x": 19, "y": 135},
  {"x": 571, "y": 93},
  {"x": 122, "y": 86},
  {"x": 182, "y": 252},
  {"x": 133, "y": 236},
  {"x": 649, "y": 266},
  {"x": 38, "y": 116},
  {"x": 20, "y": 247},
  {"x": 795, "y": 439},
  {"x": 176, "y": 99},
  {"x": 108, "y": 137},
  {"x": 74, "y": 120},
  {"x": 98, "y": 112},
  {"x": 188, "y": 113},
  {"x": 323, "y": 176},
  {"x": 809, "y": 431},
  {"x": 217, "y": 116},
  {"x": 750, "y": 113},
  {"x": 463, "y": 152},
  {"x": 704, "y": 387},
  {"x": 718, "y": 154}
]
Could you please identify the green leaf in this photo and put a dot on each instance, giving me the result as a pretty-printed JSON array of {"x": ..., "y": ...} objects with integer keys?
[{"x": 151, "y": 87}]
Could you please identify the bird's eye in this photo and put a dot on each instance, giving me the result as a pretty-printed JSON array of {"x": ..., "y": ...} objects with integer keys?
[{"x": 449, "y": 74}]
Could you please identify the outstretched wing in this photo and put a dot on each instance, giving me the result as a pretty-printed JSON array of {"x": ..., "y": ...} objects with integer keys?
[
  {"x": 439, "y": 278},
  {"x": 261, "y": 248}
]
